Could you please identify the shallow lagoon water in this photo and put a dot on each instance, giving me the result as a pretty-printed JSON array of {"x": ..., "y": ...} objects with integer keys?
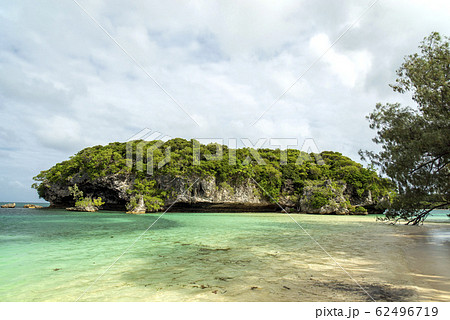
[{"x": 54, "y": 255}]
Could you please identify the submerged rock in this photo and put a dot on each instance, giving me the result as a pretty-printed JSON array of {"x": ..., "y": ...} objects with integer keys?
[{"x": 9, "y": 205}]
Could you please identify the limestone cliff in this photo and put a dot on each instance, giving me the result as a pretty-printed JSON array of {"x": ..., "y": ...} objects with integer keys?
[
  {"x": 205, "y": 194},
  {"x": 325, "y": 183}
]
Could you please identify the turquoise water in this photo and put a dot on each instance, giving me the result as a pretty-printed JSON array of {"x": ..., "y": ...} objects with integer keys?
[{"x": 54, "y": 255}]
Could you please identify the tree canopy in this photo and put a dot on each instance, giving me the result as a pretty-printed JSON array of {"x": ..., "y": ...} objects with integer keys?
[{"x": 415, "y": 141}]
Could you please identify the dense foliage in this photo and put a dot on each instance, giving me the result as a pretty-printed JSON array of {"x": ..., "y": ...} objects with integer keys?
[
  {"x": 228, "y": 166},
  {"x": 83, "y": 202},
  {"x": 416, "y": 141}
]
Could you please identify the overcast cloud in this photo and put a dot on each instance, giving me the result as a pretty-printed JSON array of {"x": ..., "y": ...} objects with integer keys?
[{"x": 64, "y": 85}]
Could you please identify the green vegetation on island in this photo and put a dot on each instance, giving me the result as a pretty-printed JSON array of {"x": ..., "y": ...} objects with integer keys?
[
  {"x": 323, "y": 183},
  {"x": 84, "y": 203}
]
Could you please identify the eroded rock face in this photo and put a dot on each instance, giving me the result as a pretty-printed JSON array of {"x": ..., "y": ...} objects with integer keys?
[
  {"x": 206, "y": 190},
  {"x": 323, "y": 197},
  {"x": 140, "y": 208},
  {"x": 206, "y": 194},
  {"x": 112, "y": 189},
  {"x": 332, "y": 197}
]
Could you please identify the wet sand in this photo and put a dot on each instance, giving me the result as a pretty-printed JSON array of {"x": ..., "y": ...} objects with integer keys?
[{"x": 429, "y": 261}]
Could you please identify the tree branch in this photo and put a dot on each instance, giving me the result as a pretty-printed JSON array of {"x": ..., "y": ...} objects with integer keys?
[
  {"x": 420, "y": 217},
  {"x": 428, "y": 162}
]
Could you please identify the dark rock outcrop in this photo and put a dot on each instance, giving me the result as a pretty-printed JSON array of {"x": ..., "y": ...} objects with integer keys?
[{"x": 190, "y": 194}]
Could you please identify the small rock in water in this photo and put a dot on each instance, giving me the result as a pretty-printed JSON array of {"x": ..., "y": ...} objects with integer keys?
[
  {"x": 32, "y": 206},
  {"x": 254, "y": 288},
  {"x": 286, "y": 288},
  {"x": 9, "y": 205},
  {"x": 56, "y": 269}
]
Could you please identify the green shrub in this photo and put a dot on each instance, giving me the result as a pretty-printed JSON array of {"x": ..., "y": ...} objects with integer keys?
[
  {"x": 358, "y": 210},
  {"x": 88, "y": 202},
  {"x": 318, "y": 201}
]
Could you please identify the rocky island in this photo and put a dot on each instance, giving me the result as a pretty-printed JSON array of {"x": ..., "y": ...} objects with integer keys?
[{"x": 149, "y": 176}]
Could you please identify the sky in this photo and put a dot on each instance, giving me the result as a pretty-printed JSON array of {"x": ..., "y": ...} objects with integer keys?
[{"x": 196, "y": 69}]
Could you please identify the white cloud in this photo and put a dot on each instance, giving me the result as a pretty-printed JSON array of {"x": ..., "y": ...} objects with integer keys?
[
  {"x": 65, "y": 85},
  {"x": 351, "y": 68},
  {"x": 60, "y": 133}
]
